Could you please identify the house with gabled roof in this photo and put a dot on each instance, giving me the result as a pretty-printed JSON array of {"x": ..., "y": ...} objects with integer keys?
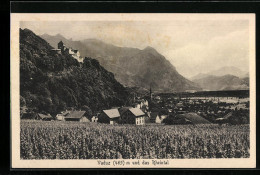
[
  {"x": 72, "y": 116},
  {"x": 133, "y": 116},
  {"x": 109, "y": 116}
]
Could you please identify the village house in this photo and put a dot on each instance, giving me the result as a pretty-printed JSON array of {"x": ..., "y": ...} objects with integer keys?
[
  {"x": 109, "y": 116},
  {"x": 133, "y": 116},
  {"x": 72, "y": 116}
]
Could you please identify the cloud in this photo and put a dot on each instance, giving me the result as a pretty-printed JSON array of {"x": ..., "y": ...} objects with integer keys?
[{"x": 229, "y": 50}]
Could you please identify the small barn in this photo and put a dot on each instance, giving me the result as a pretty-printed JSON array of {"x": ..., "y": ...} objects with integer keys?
[
  {"x": 76, "y": 116},
  {"x": 124, "y": 109},
  {"x": 45, "y": 117},
  {"x": 109, "y": 116},
  {"x": 133, "y": 116}
]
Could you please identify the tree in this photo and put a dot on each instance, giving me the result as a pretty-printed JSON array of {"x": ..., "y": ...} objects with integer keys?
[
  {"x": 88, "y": 110},
  {"x": 22, "y": 101}
]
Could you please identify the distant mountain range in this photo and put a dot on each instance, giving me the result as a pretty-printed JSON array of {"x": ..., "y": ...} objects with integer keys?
[
  {"x": 231, "y": 70},
  {"x": 225, "y": 78},
  {"x": 225, "y": 82},
  {"x": 227, "y": 70},
  {"x": 131, "y": 66}
]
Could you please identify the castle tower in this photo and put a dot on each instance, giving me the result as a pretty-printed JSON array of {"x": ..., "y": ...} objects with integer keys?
[{"x": 61, "y": 46}]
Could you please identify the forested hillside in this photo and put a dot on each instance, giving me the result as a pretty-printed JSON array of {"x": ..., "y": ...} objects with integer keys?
[
  {"x": 132, "y": 67},
  {"x": 51, "y": 82}
]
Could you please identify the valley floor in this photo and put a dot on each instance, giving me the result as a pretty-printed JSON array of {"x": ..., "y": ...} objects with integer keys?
[{"x": 74, "y": 140}]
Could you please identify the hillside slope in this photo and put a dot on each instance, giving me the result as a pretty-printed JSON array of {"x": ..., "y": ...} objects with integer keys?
[
  {"x": 194, "y": 118},
  {"x": 131, "y": 66},
  {"x": 51, "y": 82}
]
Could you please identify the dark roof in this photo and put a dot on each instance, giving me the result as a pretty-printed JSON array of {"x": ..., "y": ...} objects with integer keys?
[
  {"x": 75, "y": 114},
  {"x": 44, "y": 116},
  {"x": 154, "y": 115},
  {"x": 124, "y": 109}
]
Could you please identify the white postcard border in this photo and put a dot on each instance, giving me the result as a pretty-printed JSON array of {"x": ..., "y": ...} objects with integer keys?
[{"x": 172, "y": 163}]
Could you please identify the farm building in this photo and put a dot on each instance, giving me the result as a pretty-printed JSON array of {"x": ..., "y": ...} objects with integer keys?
[
  {"x": 75, "y": 116},
  {"x": 133, "y": 116},
  {"x": 193, "y": 118},
  {"x": 61, "y": 117},
  {"x": 109, "y": 116},
  {"x": 45, "y": 117}
]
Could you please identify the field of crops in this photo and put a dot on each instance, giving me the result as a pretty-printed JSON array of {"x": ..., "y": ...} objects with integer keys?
[{"x": 73, "y": 140}]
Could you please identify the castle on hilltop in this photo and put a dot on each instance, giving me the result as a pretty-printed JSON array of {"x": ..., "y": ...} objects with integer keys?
[{"x": 64, "y": 50}]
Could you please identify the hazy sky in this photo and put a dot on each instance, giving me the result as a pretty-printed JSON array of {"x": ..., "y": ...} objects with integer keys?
[{"x": 192, "y": 46}]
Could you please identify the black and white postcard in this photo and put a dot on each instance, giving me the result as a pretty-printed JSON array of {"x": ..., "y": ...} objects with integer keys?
[{"x": 132, "y": 90}]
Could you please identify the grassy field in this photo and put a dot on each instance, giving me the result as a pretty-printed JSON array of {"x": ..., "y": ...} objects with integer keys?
[{"x": 74, "y": 140}]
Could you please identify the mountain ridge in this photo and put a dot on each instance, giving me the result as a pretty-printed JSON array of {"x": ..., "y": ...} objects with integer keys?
[
  {"x": 225, "y": 82},
  {"x": 133, "y": 67},
  {"x": 232, "y": 70}
]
